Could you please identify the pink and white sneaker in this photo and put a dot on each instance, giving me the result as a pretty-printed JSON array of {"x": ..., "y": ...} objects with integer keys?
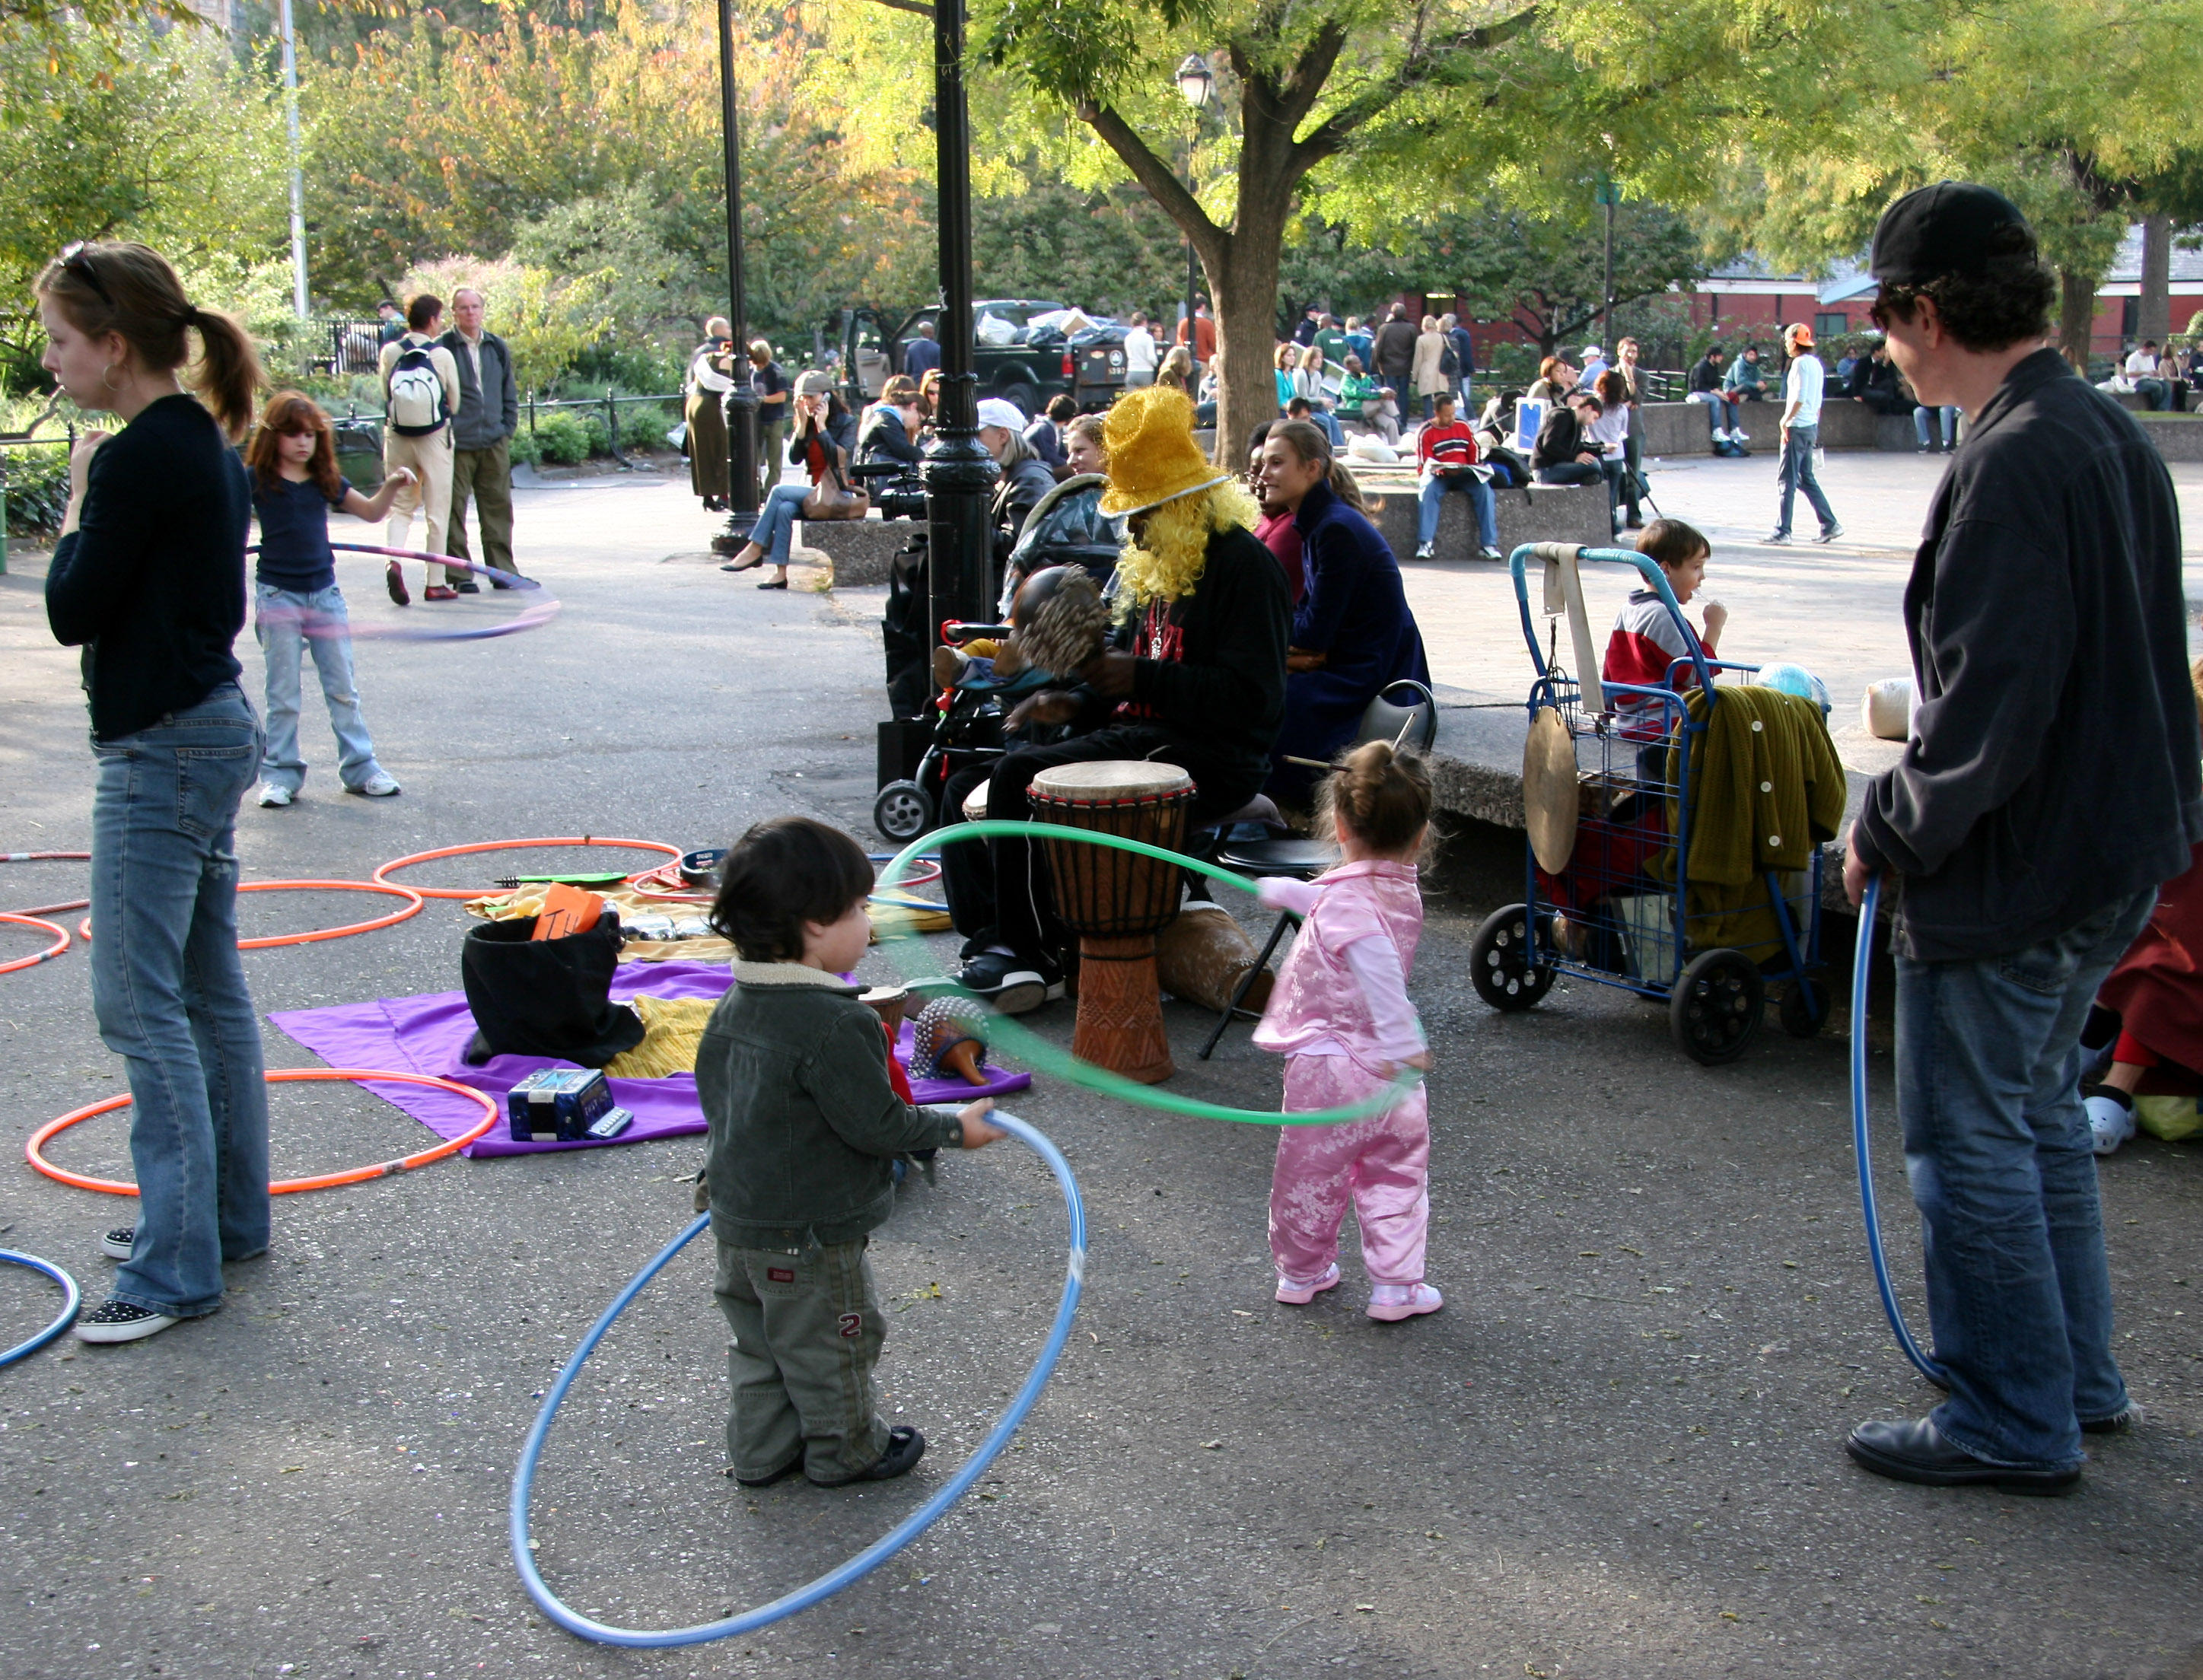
[
  {"x": 1391, "y": 1302},
  {"x": 1299, "y": 1295}
]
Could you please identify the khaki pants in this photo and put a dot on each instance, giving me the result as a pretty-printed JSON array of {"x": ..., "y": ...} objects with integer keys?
[
  {"x": 806, "y": 1337},
  {"x": 430, "y": 459},
  {"x": 486, "y": 474}
]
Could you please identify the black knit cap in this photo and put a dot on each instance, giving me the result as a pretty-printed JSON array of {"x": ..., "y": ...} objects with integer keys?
[{"x": 1943, "y": 229}]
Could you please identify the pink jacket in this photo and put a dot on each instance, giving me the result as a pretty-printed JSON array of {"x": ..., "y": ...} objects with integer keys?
[{"x": 1333, "y": 997}]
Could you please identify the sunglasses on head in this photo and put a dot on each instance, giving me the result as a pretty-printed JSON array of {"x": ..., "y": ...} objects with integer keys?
[{"x": 77, "y": 261}]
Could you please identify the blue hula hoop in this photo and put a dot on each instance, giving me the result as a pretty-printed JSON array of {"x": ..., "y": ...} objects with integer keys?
[
  {"x": 62, "y": 1320},
  {"x": 1862, "y": 1146},
  {"x": 880, "y": 1550}
]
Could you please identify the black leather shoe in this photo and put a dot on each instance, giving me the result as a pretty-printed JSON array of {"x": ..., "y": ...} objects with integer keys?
[
  {"x": 1914, "y": 1450},
  {"x": 793, "y": 1467},
  {"x": 2124, "y": 1421}
]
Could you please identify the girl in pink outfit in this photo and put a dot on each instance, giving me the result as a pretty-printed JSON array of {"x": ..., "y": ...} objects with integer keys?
[{"x": 1339, "y": 1014}]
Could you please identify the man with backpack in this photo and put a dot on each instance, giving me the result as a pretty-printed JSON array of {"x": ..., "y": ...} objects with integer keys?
[
  {"x": 487, "y": 415},
  {"x": 420, "y": 395}
]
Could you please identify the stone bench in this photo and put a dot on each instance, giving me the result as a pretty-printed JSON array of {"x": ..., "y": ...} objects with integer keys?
[
  {"x": 1673, "y": 429},
  {"x": 1554, "y": 513},
  {"x": 859, "y": 551}
]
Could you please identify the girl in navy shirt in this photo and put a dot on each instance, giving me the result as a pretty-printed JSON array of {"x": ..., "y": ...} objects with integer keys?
[{"x": 296, "y": 602}]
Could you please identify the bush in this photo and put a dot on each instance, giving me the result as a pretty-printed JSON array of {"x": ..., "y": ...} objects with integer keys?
[
  {"x": 593, "y": 424},
  {"x": 38, "y": 491},
  {"x": 644, "y": 426},
  {"x": 526, "y": 448},
  {"x": 564, "y": 438}
]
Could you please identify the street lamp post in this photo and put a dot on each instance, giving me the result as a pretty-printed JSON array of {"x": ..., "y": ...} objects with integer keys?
[
  {"x": 959, "y": 473},
  {"x": 1194, "y": 85},
  {"x": 742, "y": 402}
]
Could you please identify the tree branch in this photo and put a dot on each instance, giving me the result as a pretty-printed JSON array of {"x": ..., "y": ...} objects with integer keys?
[
  {"x": 1157, "y": 177},
  {"x": 1330, "y": 137},
  {"x": 916, "y": 8}
]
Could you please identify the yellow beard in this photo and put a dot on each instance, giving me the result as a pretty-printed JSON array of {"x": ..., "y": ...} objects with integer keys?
[{"x": 1167, "y": 565}]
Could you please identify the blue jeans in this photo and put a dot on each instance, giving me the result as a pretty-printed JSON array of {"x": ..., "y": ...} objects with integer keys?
[
  {"x": 1326, "y": 422},
  {"x": 776, "y": 520},
  {"x": 1923, "y": 429},
  {"x": 1432, "y": 496},
  {"x": 1720, "y": 413},
  {"x": 1796, "y": 471},
  {"x": 170, "y": 996},
  {"x": 1997, "y": 1149},
  {"x": 287, "y": 623}
]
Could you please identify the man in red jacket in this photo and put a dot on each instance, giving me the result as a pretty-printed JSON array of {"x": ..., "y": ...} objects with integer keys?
[{"x": 1445, "y": 459}]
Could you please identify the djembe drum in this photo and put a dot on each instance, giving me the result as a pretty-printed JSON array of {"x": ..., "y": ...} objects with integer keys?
[{"x": 1116, "y": 901}]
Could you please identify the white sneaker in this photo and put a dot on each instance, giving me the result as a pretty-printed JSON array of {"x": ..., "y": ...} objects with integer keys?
[
  {"x": 273, "y": 798},
  {"x": 1492, "y": 554},
  {"x": 1391, "y": 1302},
  {"x": 2111, "y": 1119},
  {"x": 1428, "y": 551},
  {"x": 119, "y": 1321},
  {"x": 380, "y": 785}
]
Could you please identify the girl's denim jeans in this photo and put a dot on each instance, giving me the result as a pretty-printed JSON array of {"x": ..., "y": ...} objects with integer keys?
[{"x": 170, "y": 996}]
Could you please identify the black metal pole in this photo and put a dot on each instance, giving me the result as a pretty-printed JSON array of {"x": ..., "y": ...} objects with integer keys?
[
  {"x": 741, "y": 403},
  {"x": 1606, "y": 296},
  {"x": 958, "y": 472}
]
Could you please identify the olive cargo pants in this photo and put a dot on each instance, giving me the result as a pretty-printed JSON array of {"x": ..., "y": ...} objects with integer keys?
[{"x": 806, "y": 1335}]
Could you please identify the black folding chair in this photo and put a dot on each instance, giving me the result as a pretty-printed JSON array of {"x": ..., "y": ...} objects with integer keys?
[{"x": 1416, "y": 725}]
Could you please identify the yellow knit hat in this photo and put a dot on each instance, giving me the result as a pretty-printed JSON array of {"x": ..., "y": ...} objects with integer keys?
[{"x": 1152, "y": 457}]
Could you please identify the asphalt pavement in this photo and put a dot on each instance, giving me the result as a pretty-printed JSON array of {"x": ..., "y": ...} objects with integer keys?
[{"x": 1616, "y": 1452}]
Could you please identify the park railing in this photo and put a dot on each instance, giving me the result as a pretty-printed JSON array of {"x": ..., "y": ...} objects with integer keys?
[{"x": 42, "y": 490}]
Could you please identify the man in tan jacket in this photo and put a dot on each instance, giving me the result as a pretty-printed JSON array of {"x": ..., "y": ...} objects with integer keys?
[{"x": 420, "y": 395}]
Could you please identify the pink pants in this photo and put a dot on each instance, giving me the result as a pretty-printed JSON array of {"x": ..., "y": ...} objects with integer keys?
[{"x": 1383, "y": 1162}]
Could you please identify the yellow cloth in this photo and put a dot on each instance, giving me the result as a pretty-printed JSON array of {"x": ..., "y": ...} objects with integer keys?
[
  {"x": 672, "y": 1030},
  {"x": 1766, "y": 789}
]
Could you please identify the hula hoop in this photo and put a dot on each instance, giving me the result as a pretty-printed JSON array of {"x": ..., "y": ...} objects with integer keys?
[
  {"x": 21, "y": 920},
  {"x": 383, "y": 874},
  {"x": 653, "y": 884},
  {"x": 315, "y": 934},
  {"x": 1006, "y": 1032},
  {"x": 44, "y": 857},
  {"x": 532, "y": 618},
  {"x": 881, "y": 1549},
  {"x": 60, "y": 909},
  {"x": 1861, "y": 1145},
  {"x": 62, "y": 1320},
  {"x": 32, "y": 1150}
]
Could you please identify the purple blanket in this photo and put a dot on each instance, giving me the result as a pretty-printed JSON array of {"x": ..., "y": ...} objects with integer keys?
[{"x": 429, "y": 1034}]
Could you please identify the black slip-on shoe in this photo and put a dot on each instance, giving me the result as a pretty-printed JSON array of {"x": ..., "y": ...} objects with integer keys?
[
  {"x": 1914, "y": 1450},
  {"x": 906, "y": 1447},
  {"x": 1013, "y": 986},
  {"x": 793, "y": 1467},
  {"x": 119, "y": 1243},
  {"x": 2127, "y": 1420},
  {"x": 119, "y": 1321}
]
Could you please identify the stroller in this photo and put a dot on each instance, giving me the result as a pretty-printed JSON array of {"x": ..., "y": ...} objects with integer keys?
[
  {"x": 967, "y": 730},
  {"x": 1597, "y": 904}
]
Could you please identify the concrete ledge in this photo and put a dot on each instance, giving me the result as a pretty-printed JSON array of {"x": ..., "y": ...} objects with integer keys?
[
  {"x": 2178, "y": 437},
  {"x": 1554, "y": 513},
  {"x": 858, "y": 551}
]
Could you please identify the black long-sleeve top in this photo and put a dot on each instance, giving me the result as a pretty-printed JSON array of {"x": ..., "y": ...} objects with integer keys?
[{"x": 151, "y": 582}]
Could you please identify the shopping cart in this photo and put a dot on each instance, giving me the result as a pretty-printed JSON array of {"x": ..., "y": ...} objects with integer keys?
[{"x": 1610, "y": 914}]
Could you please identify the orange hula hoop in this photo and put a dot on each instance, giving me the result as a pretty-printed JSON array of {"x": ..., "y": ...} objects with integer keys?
[
  {"x": 395, "y": 890},
  {"x": 382, "y": 873},
  {"x": 60, "y": 934},
  {"x": 33, "y": 1150}
]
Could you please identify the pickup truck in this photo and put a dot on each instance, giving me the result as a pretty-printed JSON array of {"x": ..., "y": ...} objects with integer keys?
[{"x": 1015, "y": 359}]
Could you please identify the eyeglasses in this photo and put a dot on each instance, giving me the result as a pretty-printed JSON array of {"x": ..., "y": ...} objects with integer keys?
[{"x": 77, "y": 261}]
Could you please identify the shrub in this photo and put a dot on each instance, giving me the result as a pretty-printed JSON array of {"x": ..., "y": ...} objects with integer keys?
[
  {"x": 564, "y": 438},
  {"x": 593, "y": 425},
  {"x": 38, "y": 491},
  {"x": 644, "y": 426},
  {"x": 526, "y": 448}
]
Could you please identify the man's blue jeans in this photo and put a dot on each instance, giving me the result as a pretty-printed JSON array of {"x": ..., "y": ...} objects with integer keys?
[
  {"x": 1720, "y": 413},
  {"x": 1923, "y": 426},
  {"x": 287, "y": 623},
  {"x": 1432, "y": 496},
  {"x": 776, "y": 521},
  {"x": 170, "y": 996},
  {"x": 1997, "y": 1149},
  {"x": 1796, "y": 469}
]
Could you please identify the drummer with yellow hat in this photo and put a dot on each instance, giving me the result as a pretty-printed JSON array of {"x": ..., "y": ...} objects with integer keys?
[{"x": 1193, "y": 675}]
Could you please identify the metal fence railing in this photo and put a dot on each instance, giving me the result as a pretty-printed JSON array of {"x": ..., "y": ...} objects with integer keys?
[{"x": 65, "y": 444}]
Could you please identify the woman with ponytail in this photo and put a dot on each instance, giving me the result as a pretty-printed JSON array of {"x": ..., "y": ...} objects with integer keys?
[{"x": 149, "y": 580}]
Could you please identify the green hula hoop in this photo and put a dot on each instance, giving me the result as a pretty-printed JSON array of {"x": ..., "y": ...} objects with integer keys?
[{"x": 1037, "y": 1053}]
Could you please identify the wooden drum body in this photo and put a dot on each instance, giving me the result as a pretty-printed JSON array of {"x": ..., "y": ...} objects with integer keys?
[{"x": 1116, "y": 901}]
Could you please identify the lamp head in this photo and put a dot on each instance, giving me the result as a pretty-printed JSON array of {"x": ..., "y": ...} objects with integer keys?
[{"x": 1194, "y": 82}]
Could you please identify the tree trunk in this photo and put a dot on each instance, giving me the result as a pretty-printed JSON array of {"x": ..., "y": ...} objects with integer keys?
[
  {"x": 2155, "y": 318},
  {"x": 2076, "y": 316}
]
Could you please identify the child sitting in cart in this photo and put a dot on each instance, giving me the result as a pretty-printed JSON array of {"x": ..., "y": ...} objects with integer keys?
[{"x": 1647, "y": 641}]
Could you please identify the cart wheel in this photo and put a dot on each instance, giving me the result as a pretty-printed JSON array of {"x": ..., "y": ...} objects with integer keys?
[
  {"x": 1798, "y": 1020},
  {"x": 903, "y": 811},
  {"x": 1714, "y": 1008},
  {"x": 1499, "y": 963}
]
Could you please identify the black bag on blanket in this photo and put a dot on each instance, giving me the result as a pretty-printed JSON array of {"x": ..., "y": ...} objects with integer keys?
[{"x": 553, "y": 997}]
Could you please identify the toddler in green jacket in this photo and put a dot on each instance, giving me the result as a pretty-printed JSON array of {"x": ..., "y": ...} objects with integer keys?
[{"x": 805, "y": 1129}]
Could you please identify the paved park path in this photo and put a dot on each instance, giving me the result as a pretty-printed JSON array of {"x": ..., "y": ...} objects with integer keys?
[{"x": 1616, "y": 1453}]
